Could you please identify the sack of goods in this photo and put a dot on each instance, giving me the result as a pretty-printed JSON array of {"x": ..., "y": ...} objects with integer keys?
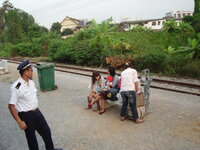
[{"x": 140, "y": 106}]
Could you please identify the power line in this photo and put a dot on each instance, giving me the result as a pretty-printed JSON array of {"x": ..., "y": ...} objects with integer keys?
[
  {"x": 55, "y": 6},
  {"x": 66, "y": 10}
]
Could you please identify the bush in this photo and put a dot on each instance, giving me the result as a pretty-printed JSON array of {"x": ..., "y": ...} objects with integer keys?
[
  {"x": 60, "y": 50},
  {"x": 22, "y": 49},
  {"x": 194, "y": 21},
  {"x": 155, "y": 61},
  {"x": 191, "y": 69},
  {"x": 84, "y": 54},
  {"x": 67, "y": 32},
  {"x": 117, "y": 61},
  {"x": 5, "y": 49}
]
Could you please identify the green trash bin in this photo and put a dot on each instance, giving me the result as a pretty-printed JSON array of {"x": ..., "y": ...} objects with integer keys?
[{"x": 46, "y": 76}]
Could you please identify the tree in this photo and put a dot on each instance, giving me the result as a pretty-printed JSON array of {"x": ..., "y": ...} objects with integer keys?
[
  {"x": 2, "y": 20},
  {"x": 13, "y": 24},
  {"x": 56, "y": 27},
  {"x": 67, "y": 32},
  {"x": 196, "y": 7},
  {"x": 194, "y": 21},
  {"x": 26, "y": 20},
  {"x": 35, "y": 31},
  {"x": 7, "y": 6},
  {"x": 171, "y": 26},
  {"x": 193, "y": 48}
]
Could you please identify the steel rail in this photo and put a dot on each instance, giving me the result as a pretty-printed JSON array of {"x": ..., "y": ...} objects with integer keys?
[{"x": 104, "y": 72}]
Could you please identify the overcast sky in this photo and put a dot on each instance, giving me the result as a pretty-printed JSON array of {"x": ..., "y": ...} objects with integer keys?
[{"x": 47, "y": 12}]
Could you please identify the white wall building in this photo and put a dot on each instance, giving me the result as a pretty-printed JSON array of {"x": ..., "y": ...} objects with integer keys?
[
  {"x": 155, "y": 24},
  {"x": 179, "y": 14}
]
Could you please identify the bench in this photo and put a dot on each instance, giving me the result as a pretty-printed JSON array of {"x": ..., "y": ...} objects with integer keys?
[{"x": 3, "y": 67}]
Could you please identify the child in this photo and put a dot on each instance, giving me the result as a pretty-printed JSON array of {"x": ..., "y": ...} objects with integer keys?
[{"x": 108, "y": 83}]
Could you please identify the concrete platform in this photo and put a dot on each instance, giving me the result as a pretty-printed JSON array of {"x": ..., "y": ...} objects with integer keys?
[{"x": 174, "y": 123}]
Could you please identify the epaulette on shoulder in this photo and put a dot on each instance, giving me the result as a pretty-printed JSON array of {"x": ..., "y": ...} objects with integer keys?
[{"x": 18, "y": 85}]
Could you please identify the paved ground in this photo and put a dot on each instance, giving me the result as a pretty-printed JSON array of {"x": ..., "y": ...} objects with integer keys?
[{"x": 174, "y": 123}]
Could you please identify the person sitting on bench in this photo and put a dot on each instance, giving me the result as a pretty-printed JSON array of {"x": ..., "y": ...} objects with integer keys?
[{"x": 96, "y": 86}]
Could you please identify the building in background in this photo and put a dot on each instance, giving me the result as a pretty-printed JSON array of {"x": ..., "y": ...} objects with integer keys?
[
  {"x": 178, "y": 14},
  {"x": 155, "y": 24},
  {"x": 72, "y": 23}
]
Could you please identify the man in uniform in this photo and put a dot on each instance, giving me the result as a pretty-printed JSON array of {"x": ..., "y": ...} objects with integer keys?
[
  {"x": 129, "y": 87},
  {"x": 23, "y": 106}
]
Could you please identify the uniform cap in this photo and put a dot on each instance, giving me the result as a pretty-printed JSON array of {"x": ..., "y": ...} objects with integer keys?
[{"x": 24, "y": 65}]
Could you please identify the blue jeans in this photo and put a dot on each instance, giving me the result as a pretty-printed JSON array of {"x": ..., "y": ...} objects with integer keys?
[{"x": 129, "y": 97}]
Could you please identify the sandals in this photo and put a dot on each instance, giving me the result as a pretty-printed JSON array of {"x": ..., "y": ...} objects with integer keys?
[
  {"x": 123, "y": 118},
  {"x": 101, "y": 112},
  {"x": 89, "y": 106},
  {"x": 97, "y": 109},
  {"x": 138, "y": 121}
]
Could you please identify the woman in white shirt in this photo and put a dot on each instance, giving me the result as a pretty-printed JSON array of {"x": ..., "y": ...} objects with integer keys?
[{"x": 97, "y": 85}]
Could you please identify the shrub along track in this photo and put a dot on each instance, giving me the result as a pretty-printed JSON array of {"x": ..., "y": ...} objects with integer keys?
[{"x": 163, "y": 84}]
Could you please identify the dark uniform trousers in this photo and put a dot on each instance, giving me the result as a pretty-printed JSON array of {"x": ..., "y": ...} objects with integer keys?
[{"x": 36, "y": 121}]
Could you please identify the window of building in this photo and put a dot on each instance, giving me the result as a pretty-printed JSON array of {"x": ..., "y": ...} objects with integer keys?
[
  {"x": 154, "y": 23},
  {"x": 126, "y": 26},
  {"x": 163, "y": 22},
  {"x": 188, "y": 14},
  {"x": 179, "y": 15},
  {"x": 184, "y": 14},
  {"x": 158, "y": 22}
]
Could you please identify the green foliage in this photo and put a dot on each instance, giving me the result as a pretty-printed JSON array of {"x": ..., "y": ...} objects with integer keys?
[
  {"x": 7, "y": 5},
  {"x": 170, "y": 26},
  {"x": 13, "y": 29},
  {"x": 196, "y": 7},
  {"x": 67, "y": 32},
  {"x": 122, "y": 47},
  {"x": 85, "y": 34},
  {"x": 26, "y": 20},
  {"x": 188, "y": 19},
  {"x": 22, "y": 49},
  {"x": 59, "y": 50},
  {"x": 184, "y": 27},
  {"x": 85, "y": 55},
  {"x": 193, "y": 48},
  {"x": 154, "y": 60},
  {"x": 194, "y": 21},
  {"x": 190, "y": 69},
  {"x": 170, "y": 50},
  {"x": 5, "y": 49},
  {"x": 55, "y": 27},
  {"x": 35, "y": 31},
  {"x": 17, "y": 26}
]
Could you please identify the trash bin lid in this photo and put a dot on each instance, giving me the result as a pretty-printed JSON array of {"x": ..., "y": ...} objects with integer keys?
[{"x": 42, "y": 65}]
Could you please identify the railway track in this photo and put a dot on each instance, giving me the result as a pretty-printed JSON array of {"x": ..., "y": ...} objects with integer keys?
[{"x": 163, "y": 84}]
